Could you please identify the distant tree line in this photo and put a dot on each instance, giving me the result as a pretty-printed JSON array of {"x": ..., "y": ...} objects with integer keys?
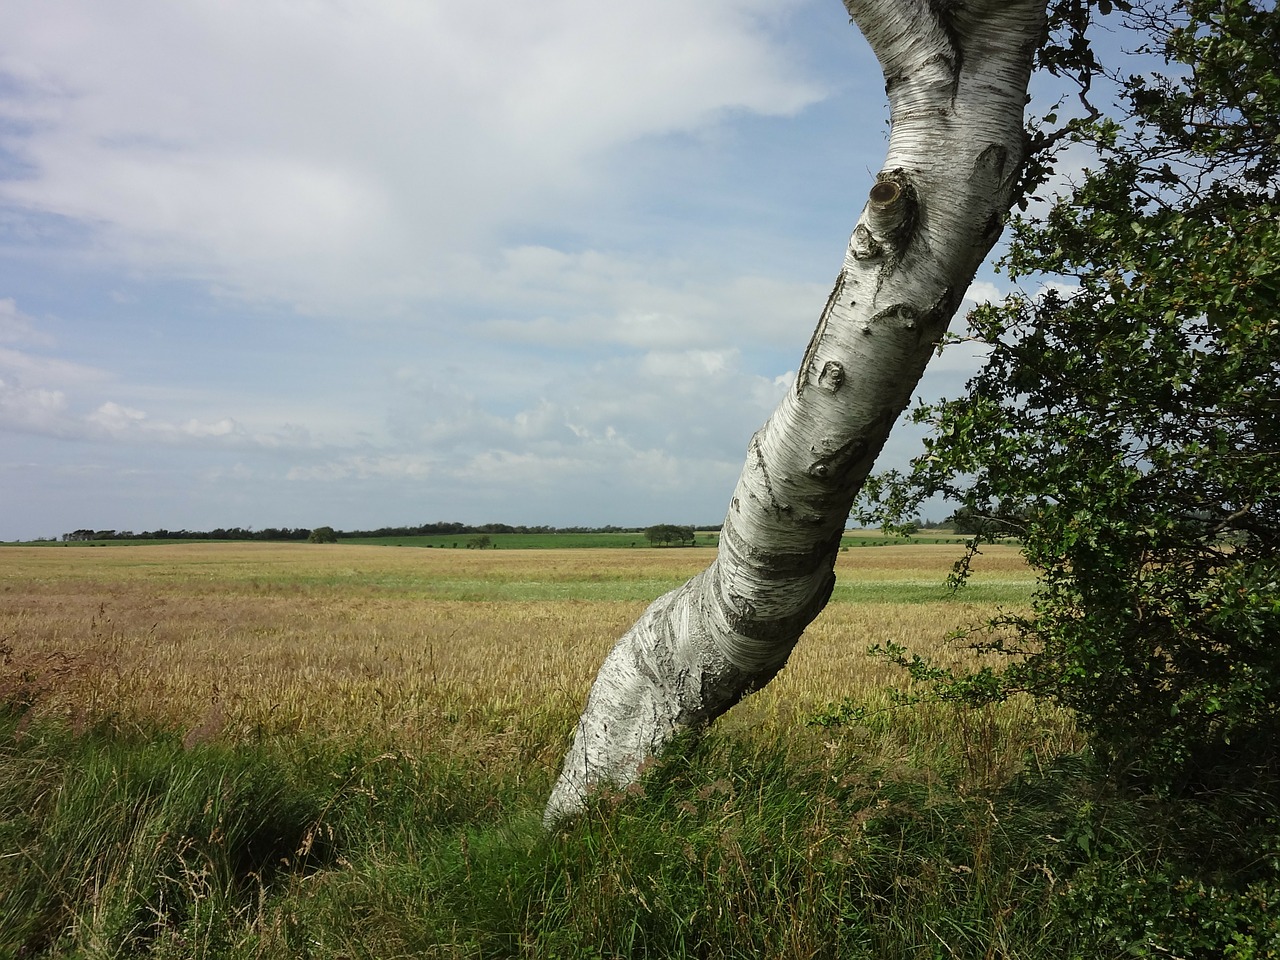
[
  {"x": 439, "y": 528},
  {"x": 447, "y": 528},
  {"x": 220, "y": 533}
]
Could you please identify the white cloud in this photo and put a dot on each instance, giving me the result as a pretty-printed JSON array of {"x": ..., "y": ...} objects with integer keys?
[
  {"x": 983, "y": 291},
  {"x": 32, "y": 409},
  {"x": 56, "y": 397},
  {"x": 1064, "y": 289},
  {"x": 36, "y": 392},
  {"x": 328, "y": 153},
  {"x": 51, "y": 397},
  {"x": 121, "y": 422},
  {"x": 603, "y": 474},
  {"x": 30, "y": 367},
  {"x": 690, "y": 366},
  {"x": 118, "y": 420},
  {"x": 17, "y": 328},
  {"x": 593, "y": 298},
  {"x": 363, "y": 467},
  {"x": 646, "y": 413}
]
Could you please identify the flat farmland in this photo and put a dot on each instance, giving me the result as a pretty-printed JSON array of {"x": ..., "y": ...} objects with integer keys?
[
  {"x": 341, "y": 751},
  {"x": 421, "y": 650}
]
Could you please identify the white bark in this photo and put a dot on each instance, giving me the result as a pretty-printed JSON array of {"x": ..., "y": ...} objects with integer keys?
[{"x": 956, "y": 74}]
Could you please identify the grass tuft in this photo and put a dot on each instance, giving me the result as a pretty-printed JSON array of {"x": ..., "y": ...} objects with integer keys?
[{"x": 124, "y": 840}]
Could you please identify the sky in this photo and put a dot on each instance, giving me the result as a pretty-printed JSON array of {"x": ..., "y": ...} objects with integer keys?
[{"x": 364, "y": 263}]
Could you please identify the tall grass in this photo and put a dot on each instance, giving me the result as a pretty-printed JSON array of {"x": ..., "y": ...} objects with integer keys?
[
  {"x": 125, "y": 845},
  {"x": 129, "y": 844},
  {"x": 117, "y": 847}
]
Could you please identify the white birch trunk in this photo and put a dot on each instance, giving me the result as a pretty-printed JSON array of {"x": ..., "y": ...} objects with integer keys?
[{"x": 956, "y": 73}]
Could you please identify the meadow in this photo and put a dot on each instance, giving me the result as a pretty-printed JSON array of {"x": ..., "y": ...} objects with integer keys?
[
  {"x": 263, "y": 639},
  {"x": 285, "y": 750}
]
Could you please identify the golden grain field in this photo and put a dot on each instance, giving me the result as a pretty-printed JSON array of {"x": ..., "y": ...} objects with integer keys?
[{"x": 421, "y": 649}]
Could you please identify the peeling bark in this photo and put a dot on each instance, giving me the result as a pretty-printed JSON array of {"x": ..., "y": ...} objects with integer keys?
[{"x": 956, "y": 75}]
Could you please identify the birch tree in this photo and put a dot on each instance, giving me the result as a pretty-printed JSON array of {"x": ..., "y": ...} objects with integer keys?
[{"x": 956, "y": 75}]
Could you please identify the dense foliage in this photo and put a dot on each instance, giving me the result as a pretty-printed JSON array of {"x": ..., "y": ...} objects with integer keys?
[
  {"x": 668, "y": 533},
  {"x": 1126, "y": 424}
]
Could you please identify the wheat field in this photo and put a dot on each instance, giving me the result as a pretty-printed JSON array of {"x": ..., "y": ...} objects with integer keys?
[{"x": 483, "y": 653}]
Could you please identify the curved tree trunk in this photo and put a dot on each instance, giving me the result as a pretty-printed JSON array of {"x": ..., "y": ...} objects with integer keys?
[{"x": 956, "y": 74}]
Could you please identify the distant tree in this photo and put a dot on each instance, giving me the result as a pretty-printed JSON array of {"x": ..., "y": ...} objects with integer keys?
[
  {"x": 479, "y": 543},
  {"x": 323, "y": 535},
  {"x": 665, "y": 533},
  {"x": 967, "y": 521}
]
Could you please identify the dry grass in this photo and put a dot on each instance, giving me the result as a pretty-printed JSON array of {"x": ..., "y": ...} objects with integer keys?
[{"x": 489, "y": 652}]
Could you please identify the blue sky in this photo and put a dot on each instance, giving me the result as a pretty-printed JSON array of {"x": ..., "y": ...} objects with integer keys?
[{"x": 304, "y": 262}]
